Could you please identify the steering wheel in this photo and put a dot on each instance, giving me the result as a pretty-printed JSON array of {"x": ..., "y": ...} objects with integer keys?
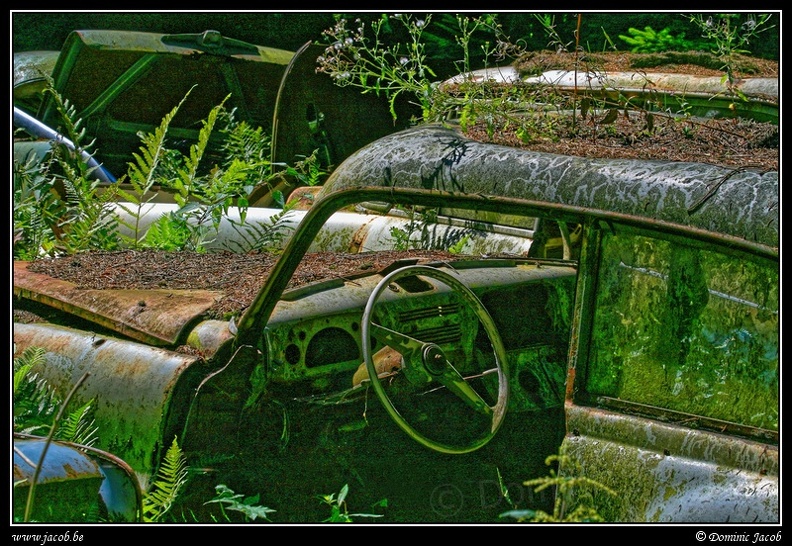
[{"x": 478, "y": 398}]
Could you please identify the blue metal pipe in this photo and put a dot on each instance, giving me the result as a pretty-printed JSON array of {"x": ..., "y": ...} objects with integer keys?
[{"x": 40, "y": 130}]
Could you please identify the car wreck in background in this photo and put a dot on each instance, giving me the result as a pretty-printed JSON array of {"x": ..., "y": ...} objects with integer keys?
[
  {"x": 623, "y": 315},
  {"x": 122, "y": 83}
]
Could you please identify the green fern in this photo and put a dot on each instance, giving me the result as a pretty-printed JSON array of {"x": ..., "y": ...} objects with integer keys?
[
  {"x": 170, "y": 232},
  {"x": 79, "y": 426},
  {"x": 57, "y": 203},
  {"x": 171, "y": 479},
  {"x": 36, "y": 404},
  {"x": 248, "y": 145},
  {"x": 36, "y": 207},
  {"x": 267, "y": 237},
  {"x": 141, "y": 174},
  {"x": 188, "y": 183}
]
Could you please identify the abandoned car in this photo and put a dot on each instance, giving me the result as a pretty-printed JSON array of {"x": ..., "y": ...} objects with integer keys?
[
  {"x": 635, "y": 331},
  {"x": 122, "y": 83},
  {"x": 445, "y": 324}
]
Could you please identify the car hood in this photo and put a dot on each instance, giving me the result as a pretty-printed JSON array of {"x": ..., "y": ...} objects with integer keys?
[{"x": 156, "y": 317}]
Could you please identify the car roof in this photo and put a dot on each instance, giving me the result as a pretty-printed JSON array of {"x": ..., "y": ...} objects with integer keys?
[{"x": 712, "y": 202}]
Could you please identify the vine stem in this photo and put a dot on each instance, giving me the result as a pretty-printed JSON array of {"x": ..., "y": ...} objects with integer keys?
[{"x": 577, "y": 47}]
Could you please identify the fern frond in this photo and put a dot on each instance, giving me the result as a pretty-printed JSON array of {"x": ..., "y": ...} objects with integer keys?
[
  {"x": 189, "y": 174},
  {"x": 141, "y": 172},
  {"x": 78, "y": 426},
  {"x": 35, "y": 403},
  {"x": 171, "y": 478}
]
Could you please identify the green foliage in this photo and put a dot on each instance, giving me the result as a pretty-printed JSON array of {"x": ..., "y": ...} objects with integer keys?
[
  {"x": 338, "y": 507},
  {"x": 248, "y": 506},
  {"x": 59, "y": 208},
  {"x": 171, "y": 479},
  {"x": 729, "y": 34},
  {"x": 649, "y": 40},
  {"x": 548, "y": 24},
  {"x": 170, "y": 232},
  {"x": 35, "y": 403},
  {"x": 565, "y": 484},
  {"x": 141, "y": 174},
  {"x": 58, "y": 203},
  {"x": 79, "y": 426},
  {"x": 353, "y": 58}
]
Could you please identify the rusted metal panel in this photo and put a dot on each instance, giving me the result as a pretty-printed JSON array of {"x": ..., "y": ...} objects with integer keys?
[
  {"x": 138, "y": 392},
  {"x": 64, "y": 463},
  {"x": 666, "y": 473},
  {"x": 156, "y": 317},
  {"x": 31, "y": 69}
]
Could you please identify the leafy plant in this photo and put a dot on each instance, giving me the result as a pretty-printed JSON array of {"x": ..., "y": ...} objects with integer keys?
[
  {"x": 548, "y": 24},
  {"x": 338, "y": 507},
  {"x": 59, "y": 206},
  {"x": 141, "y": 175},
  {"x": 249, "y": 507},
  {"x": 352, "y": 58},
  {"x": 565, "y": 484},
  {"x": 649, "y": 40},
  {"x": 170, "y": 481},
  {"x": 36, "y": 404},
  {"x": 729, "y": 34}
]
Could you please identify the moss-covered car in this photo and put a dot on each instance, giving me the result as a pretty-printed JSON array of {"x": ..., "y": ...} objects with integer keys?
[
  {"x": 644, "y": 347},
  {"x": 611, "y": 324}
]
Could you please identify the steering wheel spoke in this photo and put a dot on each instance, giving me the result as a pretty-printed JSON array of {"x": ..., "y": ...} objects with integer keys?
[{"x": 457, "y": 384}]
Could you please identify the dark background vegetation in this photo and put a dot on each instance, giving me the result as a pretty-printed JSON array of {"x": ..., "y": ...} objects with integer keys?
[{"x": 290, "y": 30}]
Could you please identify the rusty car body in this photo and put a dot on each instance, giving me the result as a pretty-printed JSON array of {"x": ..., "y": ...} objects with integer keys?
[
  {"x": 106, "y": 75},
  {"x": 622, "y": 315},
  {"x": 646, "y": 348}
]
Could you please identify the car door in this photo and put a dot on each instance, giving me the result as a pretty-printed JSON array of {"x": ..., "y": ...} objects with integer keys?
[{"x": 676, "y": 392}]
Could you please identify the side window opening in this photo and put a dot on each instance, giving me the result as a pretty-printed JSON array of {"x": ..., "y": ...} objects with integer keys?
[{"x": 686, "y": 330}]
